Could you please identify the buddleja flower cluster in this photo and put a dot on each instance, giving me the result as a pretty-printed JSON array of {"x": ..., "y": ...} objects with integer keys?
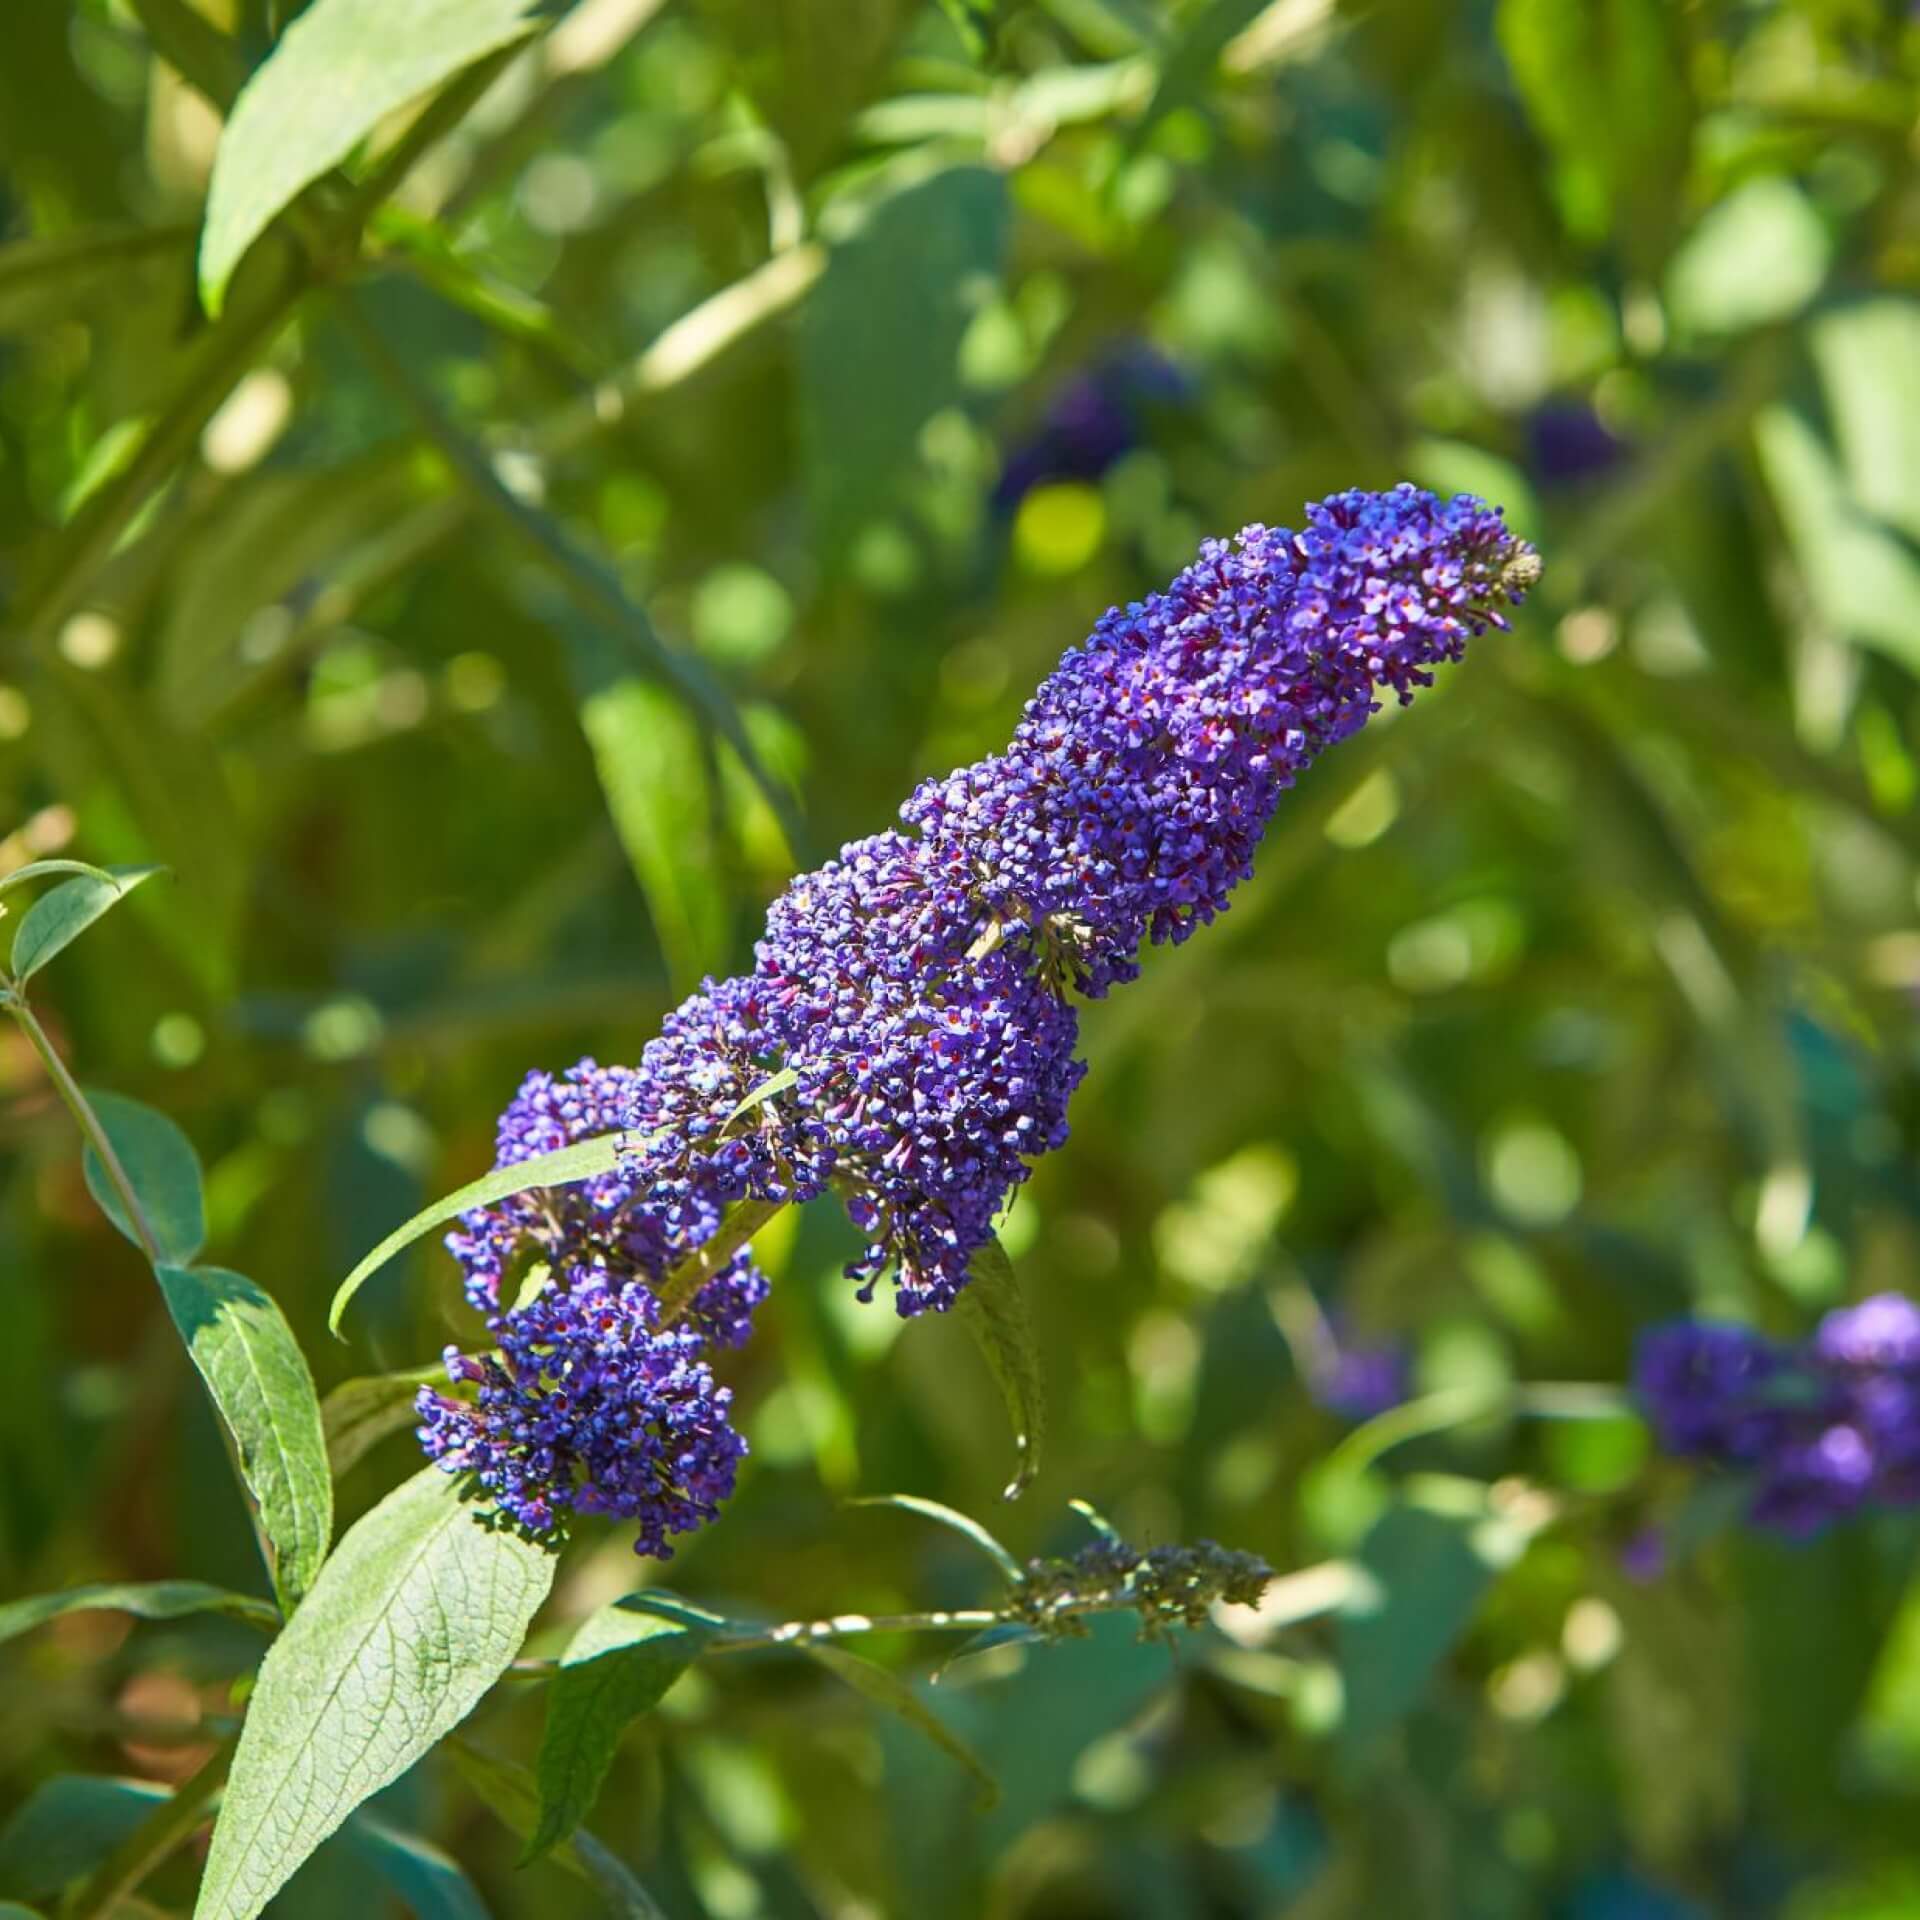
[
  {"x": 917, "y": 997},
  {"x": 1825, "y": 1428}
]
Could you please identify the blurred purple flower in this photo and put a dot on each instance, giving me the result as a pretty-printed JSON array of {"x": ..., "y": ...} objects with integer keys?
[
  {"x": 1092, "y": 420},
  {"x": 1569, "y": 444},
  {"x": 1362, "y": 1382},
  {"x": 1826, "y": 1429}
]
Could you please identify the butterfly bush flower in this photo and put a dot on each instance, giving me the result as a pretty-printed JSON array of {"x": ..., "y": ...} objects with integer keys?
[
  {"x": 1823, "y": 1429},
  {"x": 918, "y": 996}
]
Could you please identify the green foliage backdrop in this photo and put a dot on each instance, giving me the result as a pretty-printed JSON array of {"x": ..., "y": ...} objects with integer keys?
[{"x": 632, "y": 461}]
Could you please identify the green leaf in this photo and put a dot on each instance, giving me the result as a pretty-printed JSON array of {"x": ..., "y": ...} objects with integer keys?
[
  {"x": 39, "y": 869},
  {"x": 616, "y": 1667},
  {"x": 148, "y": 1600},
  {"x": 414, "y": 1616},
  {"x": 584, "y": 1160},
  {"x": 651, "y": 755},
  {"x": 335, "y": 74},
  {"x": 67, "y": 1825},
  {"x": 880, "y": 339},
  {"x": 775, "y": 1083},
  {"x": 60, "y": 917},
  {"x": 259, "y": 1380},
  {"x": 1418, "y": 1579},
  {"x": 165, "y": 1171},
  {"x": 993, "y": 1307},
  {"x": 886, "y": 1689},
  {"x": 13, "y": 1910},
  {"x": 961, "y": 1523},
  {"x": 358, "y": 1414},
  {"x": 509, "y": 1789},
  {"x": 429, "y": 1882}
]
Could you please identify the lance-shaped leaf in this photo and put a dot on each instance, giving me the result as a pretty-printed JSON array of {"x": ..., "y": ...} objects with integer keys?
[
  {"x": 159, "y": 1160},
  {"x": 148, "y": 1600},
  {"x": 61, "y": 915},
  {"x": 258, "y": 1377},
  {"x": 336, "y": 73},
  {"x": 584, "y": 1160},
  {"x": 358, "y": 1414},
  {"x": 994, "y": 1308},
  {"x": 885, "y": 1688},
  {"x": 616, "y": 1667},
  {"x": 413, "y": 1618},
  {"x": 963, "y": 1524}
]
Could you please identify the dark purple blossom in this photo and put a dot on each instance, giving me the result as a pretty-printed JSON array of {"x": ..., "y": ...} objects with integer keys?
[
  {"x": 1092, "y": 420},
  {"x": 1824, "y": 1429},
  {"x": 590, "y": 1406},
  {"x": 1361, "y": 1382},
  {"x": 916, "y": 993}
]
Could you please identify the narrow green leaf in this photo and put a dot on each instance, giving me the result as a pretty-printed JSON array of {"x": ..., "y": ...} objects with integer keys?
[
  {"x": 993, "y": 1307},
  {"x": 429, "y": 1882},
  {"x": 880, "y": 338},
  {"x": 335, "y": 74},
  {"x": 656, "y": 773},
  {"x": 148, "y": 1600},
  {"x": 776, "y": 1083},
  {"x": 581, "y": 1161},
  {"x": 414, "y": 1616},
  {"x": 66, "y": 1826},
  {"x": 259, "y": 1380},
  {"x": 165, "y": 1171},
  {"x": 13, "y": 1910},
  {"x": 886, "y": 1689},
  {"x": 358, "y": 1414},
  {"x": 510, "y": 1791},
  {"x": 40, "y": 869},
  {"x": 963, "y": 1524},
  {"x": 60, "y": 917},
  {"x": 616, "y": 1667}
]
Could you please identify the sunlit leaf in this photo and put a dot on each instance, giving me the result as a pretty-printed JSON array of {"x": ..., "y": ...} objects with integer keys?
[
  {"x": 60, "y": 917},
  {"x": 261, "y": 1385},
  {"x": 414, "y": 1616},
  {"x": 160, "y": 1163},
  {"x": 333, "y": 76}
]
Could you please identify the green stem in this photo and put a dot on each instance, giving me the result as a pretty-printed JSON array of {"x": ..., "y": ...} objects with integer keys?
[
  {"x": 150, "y": 1843},
  {"x": 88, "y": 1122},
  {"x": 744, "y": 1219}
]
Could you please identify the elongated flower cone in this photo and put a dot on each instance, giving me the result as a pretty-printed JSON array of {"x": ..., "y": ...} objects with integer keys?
[{"x": 922, "y": 988}]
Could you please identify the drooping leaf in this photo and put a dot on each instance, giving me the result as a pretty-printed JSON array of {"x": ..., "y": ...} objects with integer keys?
[
  {"x": 164, "y": 1170},
  {"x": 617, "y": 1666},
  {"x": 510, "y": 1791},
  {"x": 963, "y": 1524},
  {"x": 881, "y": 335},
  {"x": 429, "y": 1882},
  {"x": 358, "y": 1414},
  {"x": 993, "y": 1307},
  {"x": 61, "y": 916},
  {"x": 147, "y": 1600},
  {"x": 582, "y": 1161},
  {"x": 261, "y": 1385},
  {"x": 414, "y": 1616},
  {"x": 334, "y": 75},
  {"x": 68, "y": 1825},
  {"x": 887, "y": 1689}
]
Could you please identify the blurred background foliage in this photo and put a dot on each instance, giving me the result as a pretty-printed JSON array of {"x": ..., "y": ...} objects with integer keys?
[{"x": 727, "y": 423}]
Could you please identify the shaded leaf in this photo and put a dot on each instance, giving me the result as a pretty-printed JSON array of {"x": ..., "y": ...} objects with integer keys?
[
  {"x": 260, "y": 1382},
  {"x": 430, "y": 1882},
  {"x": 160, "y": 1162},
  {"x": 414, "y": 1616},
  {"x": 993, "y": 1307},
  {"x": 68, "y": 1825},
  {"x": 147, "y": 1600},
  {"x": 880, "y": 337},
  {"x": 884, "y": 1688},
  {"x": 616, "y": 1667},
  {"x": 334, "y": 75},
  {"x": 60, "y": 917},
  {"x": 358, "y": 1414},
  {"x": 40, "y": 869},
  {"x": 582, "y": 1161}
]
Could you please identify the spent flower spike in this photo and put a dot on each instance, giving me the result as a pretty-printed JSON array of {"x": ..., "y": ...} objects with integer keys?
[{"x": 921, "y": 990}]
